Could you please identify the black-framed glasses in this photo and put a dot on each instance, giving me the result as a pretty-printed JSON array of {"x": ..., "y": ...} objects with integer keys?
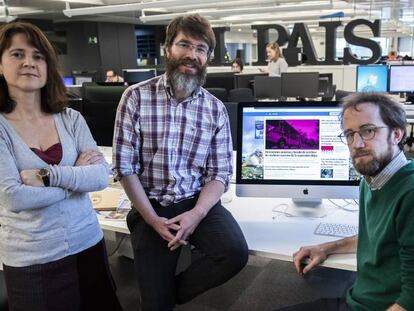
[
  {"x": 200, "y": 50},
  {"x": 365, "y": 132}
]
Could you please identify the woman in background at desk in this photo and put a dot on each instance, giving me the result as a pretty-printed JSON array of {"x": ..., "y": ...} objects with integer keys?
[
  {"x": 277, "y": 63},
  {"x": 50, "y": 241},
  {"x": 237, "y": 65}
]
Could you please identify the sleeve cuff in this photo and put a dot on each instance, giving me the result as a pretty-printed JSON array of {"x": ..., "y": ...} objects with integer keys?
[{"x": 224, "y": 181}]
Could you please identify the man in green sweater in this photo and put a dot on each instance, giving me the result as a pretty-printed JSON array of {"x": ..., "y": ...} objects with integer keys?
[{"x": 374, "y": 130}]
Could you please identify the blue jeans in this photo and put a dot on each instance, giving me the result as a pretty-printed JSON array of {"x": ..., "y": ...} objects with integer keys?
[{"x": 218, "y": 237}]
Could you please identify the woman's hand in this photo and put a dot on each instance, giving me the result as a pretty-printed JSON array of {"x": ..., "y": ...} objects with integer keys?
[
  {"x": 90, "y": 157},
  {"x": 31, "y": 178}
]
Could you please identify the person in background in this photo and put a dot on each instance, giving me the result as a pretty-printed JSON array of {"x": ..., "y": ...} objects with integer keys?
[
  {"x": 392, "y": 56},
  {"x": 51, "y": 244},
  {"x": 113, "y": 76},
  {"x": 375, "y": 130},
  {"x": 172, "y": 153},
  {"x": 237, "y": 65},
  {"x": 277, "y": 63}
]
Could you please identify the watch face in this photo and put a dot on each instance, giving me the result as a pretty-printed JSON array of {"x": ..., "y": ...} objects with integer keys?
[{"x": 43, "y": 172}]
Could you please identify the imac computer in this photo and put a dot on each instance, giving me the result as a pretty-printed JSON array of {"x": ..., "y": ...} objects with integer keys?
[
  {"x": 300, "y": 84},
  {"x": 372, "y": 78},
  {"x": 267, "y": 87},
  {"x": 402, "y": 79},
  {"x": 132, "y": 76},
  {"x": 292, "y": 150}
]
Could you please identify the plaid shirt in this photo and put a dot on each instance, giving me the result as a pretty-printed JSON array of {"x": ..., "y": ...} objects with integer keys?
[{"x": 174, "y": 148}]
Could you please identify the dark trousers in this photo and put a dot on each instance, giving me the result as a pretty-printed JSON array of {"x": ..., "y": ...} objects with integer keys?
[
  {"x": 324, "y": 304},
  {"x": 218, "y": 237},
  {"x": 80, "y": 282}
]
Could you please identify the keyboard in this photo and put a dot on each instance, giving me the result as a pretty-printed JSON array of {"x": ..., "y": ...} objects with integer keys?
[{"x": 335, "y": 229}]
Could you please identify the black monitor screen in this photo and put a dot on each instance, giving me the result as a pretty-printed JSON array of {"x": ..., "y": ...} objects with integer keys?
[
  {"x": 138, "y": 75},
  {"x": 300, "y": 84},
  {"x": 267, "y": 87},
  {"x": 402, "y": 79}
]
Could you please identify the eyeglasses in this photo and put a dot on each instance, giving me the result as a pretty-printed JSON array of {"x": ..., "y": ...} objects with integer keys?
[
  {"x": 200, "y": 50},
  {"x": 365, "y": 132}
]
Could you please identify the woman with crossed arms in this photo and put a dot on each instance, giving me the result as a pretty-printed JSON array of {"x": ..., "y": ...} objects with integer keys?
[{"x": 50, "y": 241}]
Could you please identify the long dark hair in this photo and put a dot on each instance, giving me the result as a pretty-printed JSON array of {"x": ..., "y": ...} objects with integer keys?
[{"x": 53, "y": 94}]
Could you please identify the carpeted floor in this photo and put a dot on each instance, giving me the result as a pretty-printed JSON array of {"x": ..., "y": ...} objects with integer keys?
[{"x": 264, "y": 284}]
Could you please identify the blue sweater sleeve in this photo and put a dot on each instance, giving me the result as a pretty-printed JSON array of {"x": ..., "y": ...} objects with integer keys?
[
  {"x": 16, "y": 196},
  {"x": 80, "y": 178}
]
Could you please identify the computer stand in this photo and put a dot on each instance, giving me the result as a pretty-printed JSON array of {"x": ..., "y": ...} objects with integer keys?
[{"x": 305, "y": 208}]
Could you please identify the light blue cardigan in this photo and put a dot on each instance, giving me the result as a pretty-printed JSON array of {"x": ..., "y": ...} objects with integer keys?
[{"x": 44, "y": 224}]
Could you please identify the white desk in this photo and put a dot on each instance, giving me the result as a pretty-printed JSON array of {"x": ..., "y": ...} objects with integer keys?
[{"x": 273, "y": 235}]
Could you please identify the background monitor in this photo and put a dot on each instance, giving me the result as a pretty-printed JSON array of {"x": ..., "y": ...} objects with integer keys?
[
  {"x": 292, "y": 150},
  {"x": 68, "y": 81},
  {"x": 300, "y": 84},
  {"x": 220, "y": 79},
  {"x": 79, "y": 80},
  {"x": 372, "y": 78},
  {"x": 267, "y": 87},
  {"x": 138, "y": 75},
  {"x": 402, "y": 79}
]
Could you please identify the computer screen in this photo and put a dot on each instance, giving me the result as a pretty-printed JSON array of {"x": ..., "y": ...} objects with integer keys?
[
  {"x": 402, "y": 79},
  {"x": 372, "y": 78},
  {"x": 68, "y": 81},
  {"x": 267, "y": 87},
  {"x": 292, "y": 150},
  {"x": 138, "y": 75},
  {"x": 79, "y": 80},
  {"x": 300, "y": 84}
]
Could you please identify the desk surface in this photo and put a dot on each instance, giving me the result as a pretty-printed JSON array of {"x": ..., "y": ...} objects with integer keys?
[{"x": 271, "y": 234}]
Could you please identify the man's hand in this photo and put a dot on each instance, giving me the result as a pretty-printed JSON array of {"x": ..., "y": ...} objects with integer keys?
[
  {"x": 164, "y": 230},
  {"x": 187, "y": 223},
  {"x": 30, "y": 178},
  {"x": 316, "y": 255},
  {"x": 90, "y": 157}
]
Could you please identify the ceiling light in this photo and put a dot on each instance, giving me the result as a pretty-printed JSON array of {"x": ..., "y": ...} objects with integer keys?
[
  {"x": 241, "y": 11},
  {"x": 128, "y": 7}
]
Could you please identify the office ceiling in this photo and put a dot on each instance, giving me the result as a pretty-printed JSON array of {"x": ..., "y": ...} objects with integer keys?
[{"x": 397, "y": 15}]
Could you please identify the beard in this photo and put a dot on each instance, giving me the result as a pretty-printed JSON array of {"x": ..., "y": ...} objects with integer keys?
[
  {"x": 372, "y": 167},
  {"x": 184, "y": 81}
]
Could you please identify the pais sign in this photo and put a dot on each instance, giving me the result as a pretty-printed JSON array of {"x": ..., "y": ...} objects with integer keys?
[{"x": 301, "y": 31}]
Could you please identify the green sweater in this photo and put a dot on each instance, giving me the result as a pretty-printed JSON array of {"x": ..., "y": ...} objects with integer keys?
[{"x": 385, "y": 254}]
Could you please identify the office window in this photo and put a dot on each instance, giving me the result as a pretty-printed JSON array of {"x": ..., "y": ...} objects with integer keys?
[{"x": 361, "y": 52}]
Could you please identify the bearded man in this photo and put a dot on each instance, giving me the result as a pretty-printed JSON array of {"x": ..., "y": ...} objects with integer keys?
[
  {"x": 172, "y": 152},
  {"x": 374, "y": 130}
]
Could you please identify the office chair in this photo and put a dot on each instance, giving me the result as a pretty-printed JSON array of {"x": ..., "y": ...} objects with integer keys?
[
  {"x": 99, "y": 110},
  {"x": 340, "y": 94},
  {"x": 218, "y": 92},
  {"x": 240, "y": 95},
  {"x": 330, "y": 94}
]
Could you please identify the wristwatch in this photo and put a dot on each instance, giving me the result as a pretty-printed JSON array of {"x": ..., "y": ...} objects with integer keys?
[{"x": 44, "y": 174}]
